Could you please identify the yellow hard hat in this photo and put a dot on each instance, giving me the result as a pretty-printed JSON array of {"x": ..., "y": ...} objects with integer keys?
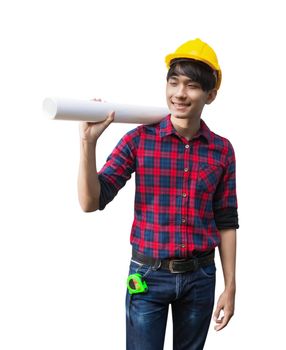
[{"x": 200, "y": 51}]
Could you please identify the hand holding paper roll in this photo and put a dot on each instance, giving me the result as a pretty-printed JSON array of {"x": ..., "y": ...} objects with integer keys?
[{"x": 90, "y": 132}]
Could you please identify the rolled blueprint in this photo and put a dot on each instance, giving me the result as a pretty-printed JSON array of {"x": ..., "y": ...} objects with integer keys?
[{"x": 95, "y": 111}]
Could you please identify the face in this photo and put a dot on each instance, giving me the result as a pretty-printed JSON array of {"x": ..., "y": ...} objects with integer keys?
[{"x": 185, "y": 98}]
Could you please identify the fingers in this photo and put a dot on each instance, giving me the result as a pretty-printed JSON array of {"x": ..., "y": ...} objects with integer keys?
[
  {"x": 109, "y": 119},
  {"x": 220, "y": 323},
  {"x": 97, "y": 100},
  {"x": 111, "y": 116},
  {"x": 104, "y": 124},
  {"x": 225, "y": 306},
  {"x": 223, "y": 320},
  {"x": 216, "y": 317}
]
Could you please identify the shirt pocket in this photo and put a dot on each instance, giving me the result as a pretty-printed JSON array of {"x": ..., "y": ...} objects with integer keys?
[{"x": 209, "y": 177}]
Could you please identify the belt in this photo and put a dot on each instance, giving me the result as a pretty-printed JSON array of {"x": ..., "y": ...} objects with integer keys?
[{"x": 175, "y": 265}]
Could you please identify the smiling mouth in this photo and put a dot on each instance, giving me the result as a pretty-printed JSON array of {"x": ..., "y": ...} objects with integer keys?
[{"x": 180, "y": 105}]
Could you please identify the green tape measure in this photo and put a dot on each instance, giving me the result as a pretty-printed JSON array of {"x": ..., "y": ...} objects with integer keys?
[{"x": 136, "y": 285}]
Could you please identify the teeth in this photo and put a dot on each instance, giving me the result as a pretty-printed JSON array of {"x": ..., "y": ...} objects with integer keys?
[{"x": 180, "y": 104}]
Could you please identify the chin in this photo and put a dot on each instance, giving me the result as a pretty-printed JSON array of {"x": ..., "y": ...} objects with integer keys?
[{"x": 179, "y": 115}]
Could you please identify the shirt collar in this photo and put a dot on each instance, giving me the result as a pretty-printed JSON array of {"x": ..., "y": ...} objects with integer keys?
[{"x": 167, "y": 128}]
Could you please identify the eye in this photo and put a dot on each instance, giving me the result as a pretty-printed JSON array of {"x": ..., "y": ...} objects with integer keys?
[{"x": 193, "y": 86}]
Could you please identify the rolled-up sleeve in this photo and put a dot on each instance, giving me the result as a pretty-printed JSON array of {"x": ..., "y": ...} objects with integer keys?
[
  {"x": 118, "y": 168},
  {"x": 225, "y": 198}
]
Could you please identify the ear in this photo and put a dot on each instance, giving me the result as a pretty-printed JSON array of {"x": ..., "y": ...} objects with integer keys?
[{"x": 211, "y": 95}]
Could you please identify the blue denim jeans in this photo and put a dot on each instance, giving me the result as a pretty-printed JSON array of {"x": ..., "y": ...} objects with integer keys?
[{"x": 191, "y": 295}]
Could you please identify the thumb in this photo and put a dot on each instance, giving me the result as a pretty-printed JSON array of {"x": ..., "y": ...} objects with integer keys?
[
  {"x": 109, "y": 119},
  {"x": 216, "y": 313}
]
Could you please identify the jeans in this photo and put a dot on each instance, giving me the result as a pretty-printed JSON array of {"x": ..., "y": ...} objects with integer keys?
[{"x": 191, "y": 295}]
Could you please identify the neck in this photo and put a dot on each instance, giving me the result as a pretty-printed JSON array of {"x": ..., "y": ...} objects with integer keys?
[{"x": 186, "y": 127}]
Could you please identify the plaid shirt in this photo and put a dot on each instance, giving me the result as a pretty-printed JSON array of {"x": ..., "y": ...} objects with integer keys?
[{"x": 185, "y": 190}]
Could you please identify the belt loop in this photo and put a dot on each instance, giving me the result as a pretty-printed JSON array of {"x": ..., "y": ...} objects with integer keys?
[
  {"x": 157, "y": 265},
  {"x": 196, "y": 263}
]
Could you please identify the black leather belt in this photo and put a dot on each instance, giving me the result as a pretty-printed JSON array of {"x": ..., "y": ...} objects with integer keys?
[{"x": 175, "y": 265}]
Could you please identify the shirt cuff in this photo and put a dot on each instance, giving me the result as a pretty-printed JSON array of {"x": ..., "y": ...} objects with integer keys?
[
  {"x": 107, "y": 192},
  {"x": 226, "y": 218}
]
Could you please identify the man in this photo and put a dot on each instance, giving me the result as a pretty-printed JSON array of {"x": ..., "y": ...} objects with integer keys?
[{"x": 185, "y": 206}]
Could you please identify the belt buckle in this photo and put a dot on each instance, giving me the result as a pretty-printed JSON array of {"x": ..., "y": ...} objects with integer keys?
[
  {"x": 171, "y": 262},
  {"x": 194, "y": 261}
]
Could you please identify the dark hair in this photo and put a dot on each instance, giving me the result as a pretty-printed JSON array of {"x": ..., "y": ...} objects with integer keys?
[{"x": 196, "y": 70}]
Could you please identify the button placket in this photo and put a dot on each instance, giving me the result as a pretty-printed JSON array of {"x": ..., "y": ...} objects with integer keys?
[{"x": 184, "y": 194}]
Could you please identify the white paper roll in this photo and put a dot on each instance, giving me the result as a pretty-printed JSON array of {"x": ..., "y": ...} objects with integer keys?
[{"x": 94, "y": 111}]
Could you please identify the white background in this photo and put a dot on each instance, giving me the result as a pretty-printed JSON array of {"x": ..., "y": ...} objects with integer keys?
[{"x": 62, "y": 271}]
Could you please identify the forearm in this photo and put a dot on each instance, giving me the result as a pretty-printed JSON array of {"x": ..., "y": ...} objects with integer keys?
[
  {"x": 88, "y": 183},
  {"x": 227, "y": 250}
]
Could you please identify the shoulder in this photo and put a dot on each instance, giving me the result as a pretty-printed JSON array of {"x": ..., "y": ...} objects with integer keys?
[
  {"x": 149, "y": 129},
  {"x": 142, "y": 131},
  {"x": 222, "y": 143}
]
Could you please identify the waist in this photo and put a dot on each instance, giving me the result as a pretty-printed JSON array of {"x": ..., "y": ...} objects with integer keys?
[{"x": 177, "y": 265}]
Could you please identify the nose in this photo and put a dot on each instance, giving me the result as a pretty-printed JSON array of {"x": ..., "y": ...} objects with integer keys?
[{"x": 180, "y": 91}]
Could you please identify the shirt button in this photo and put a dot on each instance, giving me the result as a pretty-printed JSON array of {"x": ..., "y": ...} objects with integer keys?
[
  {"x": 186, "y": 170},
  {"x": 187, "y": 146},
  {"x": 183, "y": 245},
  {"x": 183, "y": 220},
  {"x": 184, "y": 194}
]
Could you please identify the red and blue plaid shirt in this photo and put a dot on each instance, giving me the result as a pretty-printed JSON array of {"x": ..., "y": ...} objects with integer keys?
[{"x": 185, "y": 190}]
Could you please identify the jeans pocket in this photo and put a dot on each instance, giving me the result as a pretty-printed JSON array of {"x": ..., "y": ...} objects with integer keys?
[
  {"x": 137, "y": 267},
  {"x": 208, "y": 271}
]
